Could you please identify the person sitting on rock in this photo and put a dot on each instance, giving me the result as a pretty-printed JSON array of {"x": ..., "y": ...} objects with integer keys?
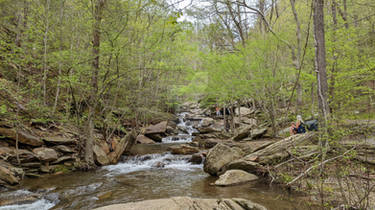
[{"x": 300, "y": 125}]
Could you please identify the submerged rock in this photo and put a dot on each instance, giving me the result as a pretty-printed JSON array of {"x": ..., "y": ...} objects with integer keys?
[
  {"x": 235, "y": 177},
  {"x": 182, "y": 203}
]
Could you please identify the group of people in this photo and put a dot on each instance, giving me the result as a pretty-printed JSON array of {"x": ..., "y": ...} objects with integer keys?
[{"x": 300, "y": 126}]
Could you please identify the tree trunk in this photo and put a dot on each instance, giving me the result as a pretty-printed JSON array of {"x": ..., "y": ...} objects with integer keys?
[
  {"x": 97, "y": 13},
  {"x": 60, "y": 62},
  {"x": 320, "y": 60},
  {"x": 45, "y": 45},
  {"x": 297, "y": 57},
  {"x": 334, "y": 51}
]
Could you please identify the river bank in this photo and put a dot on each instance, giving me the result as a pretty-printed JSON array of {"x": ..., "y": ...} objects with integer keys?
[
  {"x": 195, "y": 156},
  {"x": 150, "y": 171}
]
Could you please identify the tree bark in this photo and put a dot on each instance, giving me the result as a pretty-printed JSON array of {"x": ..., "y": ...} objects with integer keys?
[
  {"x": 320, "y": 60},
  {"x": 97, "y": 13},
  {"x": 45, "y": 45},
  {"x": 334, "y": 51},
  {"x": 60, "y": 62},
  {"x": 297, "y": 57}
]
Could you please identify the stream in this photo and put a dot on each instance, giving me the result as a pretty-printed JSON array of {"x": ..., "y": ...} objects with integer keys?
[{"x": 153, "y": 173}]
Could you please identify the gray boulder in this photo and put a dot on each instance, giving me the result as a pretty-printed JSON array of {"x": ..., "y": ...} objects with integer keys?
[{"x": 219, "y": 156}]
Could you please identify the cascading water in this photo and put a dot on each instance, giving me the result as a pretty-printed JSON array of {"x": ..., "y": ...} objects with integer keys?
[
  {"x": 152, "y": 161},
  {"x": 142, "y": 177},
  {"x": 186, "y": 130}
]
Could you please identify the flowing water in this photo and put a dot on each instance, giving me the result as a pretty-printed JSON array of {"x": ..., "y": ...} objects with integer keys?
[{"x": 153, "y": 174}]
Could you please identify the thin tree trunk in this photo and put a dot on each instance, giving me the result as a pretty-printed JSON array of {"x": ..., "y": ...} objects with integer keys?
[
  {"x": 45, "y": 44},
  {"x": 297, "y": 57},
  {"x": 60, "y": 62},
  {"x": 334, "y": 56}
]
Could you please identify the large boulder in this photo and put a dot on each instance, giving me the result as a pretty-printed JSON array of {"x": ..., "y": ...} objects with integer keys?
[
  {"x": 183, "y": 150},
  {"x": 219, "y": 156},
  {"x": 142, "y": 139},
  {"x": 23, "y": 136},
  {"x": 100, "y": 156},
  {"x": 45, "y": 154},
  {"x": 156, "y": 129},
  {"x": 124, "y": 145},
  {"x": 185, "y": 203},
  {"x": 235, "y": 177}
]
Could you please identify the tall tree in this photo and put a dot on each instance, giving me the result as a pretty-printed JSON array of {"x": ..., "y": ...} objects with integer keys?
[
  {"x": 320, "y": 59},
  {"x": 98, "y": 7}
]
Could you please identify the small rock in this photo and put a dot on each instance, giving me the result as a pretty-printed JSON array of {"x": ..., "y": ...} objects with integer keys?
[
  {"x": 59, "y": 140},
  {"x": 183, "y": 150},
  {"x": 258, "y": 133},
  {"x": 235, "y": 177},
  {"x": 45, "y": 154},
  {"x": 141, "y": 139},
  {"x": 157, "y": 129},
  {"x": 155, "y": 137},
  {"x": 64, "y": 149},
  {"x": 206, "y": 122},
  {"x": 158, "y": 165},
  {"x": 196, "y": 159},
  {"x": 105, "y": 195},
  {"x": 63, "y": 159},
  {"x": 243, "y": 133}
]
